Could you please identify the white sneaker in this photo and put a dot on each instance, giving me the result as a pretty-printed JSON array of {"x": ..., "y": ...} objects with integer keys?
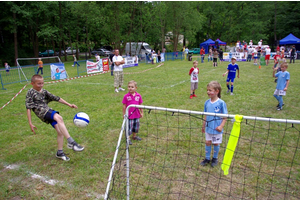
[
  {"x": 231, "y": 93},
  {"x": 75, "y": 146},
  {"x": 121, "y": 89},
  {"x": 116, "y": 90},
  {"x": 62, "y": 156}
]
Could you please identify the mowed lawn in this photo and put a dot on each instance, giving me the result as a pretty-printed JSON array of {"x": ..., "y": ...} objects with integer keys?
[{"x": 85, "y": 175}]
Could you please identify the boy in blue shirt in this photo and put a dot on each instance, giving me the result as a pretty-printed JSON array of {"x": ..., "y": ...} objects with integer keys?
[
  {"x": 231, "y": 71},
  {"x": 283, "y": 80}
]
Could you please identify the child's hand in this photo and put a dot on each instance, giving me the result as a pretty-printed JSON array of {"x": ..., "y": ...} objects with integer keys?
[
  {"x": 219, "y": 128},
  {"x": 238, "y": 76},
  {"x": 32, "y": 127},
  {"x": 142, "y": 114},
  {"x": 224, "y": 74},
  {"x": 285, "y": 89},
  {"x": 73, "y": 106}
]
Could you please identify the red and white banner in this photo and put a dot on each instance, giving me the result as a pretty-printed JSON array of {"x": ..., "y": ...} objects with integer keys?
[{"x": 95, "y": 67}]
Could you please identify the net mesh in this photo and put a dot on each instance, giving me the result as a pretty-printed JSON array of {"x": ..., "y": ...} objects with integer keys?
[{"x": 166, "y": 163}]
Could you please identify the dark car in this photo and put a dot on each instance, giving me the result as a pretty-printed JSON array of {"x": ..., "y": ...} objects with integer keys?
[
  {"x": 46, "y": 53},
  {"x": 109, "y": 48},
  {"x": 101, "y": 52}
]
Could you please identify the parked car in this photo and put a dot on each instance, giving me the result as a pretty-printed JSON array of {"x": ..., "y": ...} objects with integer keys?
[
  {"x": 194, "y": 51},
  {"x": 71, "y": 51},
  {"x": 62, "y": 53},
  {"x": 46, "y": 53},
  {"x": 109, "y": 48},
  {"x": 101, "y": 52}
]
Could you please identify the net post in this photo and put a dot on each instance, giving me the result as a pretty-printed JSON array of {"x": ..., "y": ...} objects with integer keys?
[{"x": 2, "y": 83}]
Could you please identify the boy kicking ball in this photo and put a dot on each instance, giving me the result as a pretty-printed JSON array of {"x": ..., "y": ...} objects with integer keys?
[
  {"x": 231, "y": 71},
  {"x": 37, "y": 100}
]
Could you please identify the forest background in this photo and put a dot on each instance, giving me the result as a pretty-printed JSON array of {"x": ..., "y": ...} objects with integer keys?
[{"x": 29, "y": 27}]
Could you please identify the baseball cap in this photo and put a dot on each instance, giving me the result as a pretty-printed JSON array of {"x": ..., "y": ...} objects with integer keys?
[{"x": 233, "y": 58}]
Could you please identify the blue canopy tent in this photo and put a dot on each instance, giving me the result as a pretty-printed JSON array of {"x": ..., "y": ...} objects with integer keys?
[
  {"x": 291, "y": 39},
  {"x": 220, "y": 42},
  {"x": 206, "y": 44}
]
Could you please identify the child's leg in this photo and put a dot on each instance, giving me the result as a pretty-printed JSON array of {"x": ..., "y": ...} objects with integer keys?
[
  {"x": 216, "y": 150},
  {"x": 227, "y": 84},
  {"x": 207, "y": 149},
  {"x": 61, "y": 125},
  {"x": 231, "y": 89},
  {"x": 60, "y": 138},
  {"x": 280, "y": 99}
]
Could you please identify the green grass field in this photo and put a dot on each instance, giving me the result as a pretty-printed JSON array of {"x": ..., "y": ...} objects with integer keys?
[{"x": 85, "y": 175}]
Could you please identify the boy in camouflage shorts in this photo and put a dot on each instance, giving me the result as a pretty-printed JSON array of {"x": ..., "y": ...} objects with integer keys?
[{"x": 37, "y": 100}]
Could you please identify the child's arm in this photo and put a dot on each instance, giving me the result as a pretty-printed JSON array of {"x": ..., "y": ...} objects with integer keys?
[
  {"x": 287, "y": 84},
  {"x": 32, "y": 127},
  {"x": 141, "y": 112},
  {"x": 274, "y": 71},
  {"x": 124, "y": 109},
  {"x": 191, "y": 70},
  {"x": 238, "y": 73},
  {"x": 220, "y": 128},
  {"x": 66, "y": 103},
  {"x": 226, "y": 72},
  {"x": 203, "y": 125}
]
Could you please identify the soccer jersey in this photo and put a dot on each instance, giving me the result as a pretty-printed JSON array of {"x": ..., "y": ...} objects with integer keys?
[
  {"x": 129, "y": 99},
  {"x": 38, "y": 102},
  {"x": 212, "y": 122},
  {"x": 281, "y": 80},
  {"x": 232, "y": 70},
  {"x": 194, "y": 74}
]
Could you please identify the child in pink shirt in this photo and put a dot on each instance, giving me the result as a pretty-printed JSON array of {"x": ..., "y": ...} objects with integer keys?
[{"x": 134, "y": 114}]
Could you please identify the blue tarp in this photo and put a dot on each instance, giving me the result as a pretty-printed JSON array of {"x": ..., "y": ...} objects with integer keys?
[{"x": 290, "y": 39}]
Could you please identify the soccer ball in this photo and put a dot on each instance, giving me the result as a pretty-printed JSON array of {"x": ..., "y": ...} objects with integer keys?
[
  {"x": 72, "y": 65},
  {"x": 81, "y": 119}
]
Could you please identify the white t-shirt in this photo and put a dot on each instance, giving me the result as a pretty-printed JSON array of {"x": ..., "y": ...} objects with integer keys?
[
  {"x": 250, "y": 43},
  {"x": 259, "y": 43},
  {"x": 97, "y": 58},
  {"x": 120, "y": 67},
  {"x": 194, "y": 75},
  {"x": 268, "y": 51}
]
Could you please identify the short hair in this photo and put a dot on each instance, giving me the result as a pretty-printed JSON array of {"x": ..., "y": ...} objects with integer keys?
[
  {"x": 216, "y": 86},
  {"x": 195, "y": 61},
  {"x": 34, "y": 77},
  {"x": 132, "y": 82},
  {"x": 285, "y": 64}
]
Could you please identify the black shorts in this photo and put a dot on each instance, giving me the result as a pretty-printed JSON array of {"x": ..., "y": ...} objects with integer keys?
[
  {"x": 49, "y": 117},
  {"x": 215, "y": 59}
]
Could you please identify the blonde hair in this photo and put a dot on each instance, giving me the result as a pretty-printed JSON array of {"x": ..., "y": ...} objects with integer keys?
[
  {"x": 132, "y": 82},
  {"x": 216, "y": 86},
  {"x": 195, "y": 61},
  {"x": 285, "y": 64}
]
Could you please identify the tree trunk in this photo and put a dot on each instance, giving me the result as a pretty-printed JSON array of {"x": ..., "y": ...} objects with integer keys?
[
  {"x": 275, "y": 36},
  {"x": 15, "y": 38},
  {"x": 60, "y": 30}
]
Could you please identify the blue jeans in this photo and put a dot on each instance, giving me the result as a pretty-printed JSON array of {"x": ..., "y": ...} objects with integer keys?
[
  {"x": 202, "y": 58},
  {"x": 279, "y": 99},
  {"x": 75, "y": 62},
  {"x": 112, "y": 69},
  {"x": 40, "y": 69}
]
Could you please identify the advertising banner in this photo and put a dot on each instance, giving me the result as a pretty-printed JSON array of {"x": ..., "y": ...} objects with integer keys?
[
  {"x": 131, "y": 62},
  {"x": 95, "y": 67},
  {"x": 58, "y": 71}
]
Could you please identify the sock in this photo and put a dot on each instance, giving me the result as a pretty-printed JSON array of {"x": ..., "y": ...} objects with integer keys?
[
  {"x": 70, "y": 140},
  {"x": 207, "y": 152},
  {"x": 228, "y": 87},
  {"x": 59, "y": 152},
  {"x": 216, "y": 151},
  {"x": 193, "y": 93},
  {"x": 232, "y": 88}
]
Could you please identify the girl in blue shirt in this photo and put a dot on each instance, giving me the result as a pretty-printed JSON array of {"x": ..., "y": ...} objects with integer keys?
[{"x": 213, "y": 125}]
